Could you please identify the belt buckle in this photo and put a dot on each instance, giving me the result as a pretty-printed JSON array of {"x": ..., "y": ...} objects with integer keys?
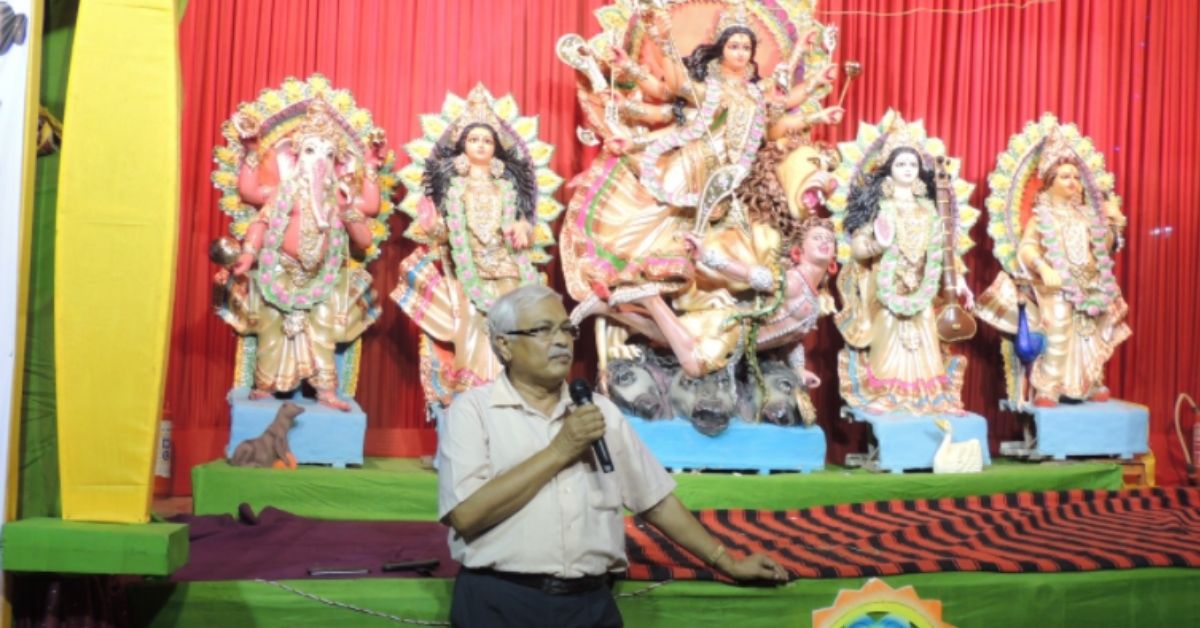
[{"x": 555, "y": 586}]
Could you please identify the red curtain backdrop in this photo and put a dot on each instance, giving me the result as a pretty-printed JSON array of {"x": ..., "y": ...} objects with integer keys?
[{"x": 1125, "y": 72}]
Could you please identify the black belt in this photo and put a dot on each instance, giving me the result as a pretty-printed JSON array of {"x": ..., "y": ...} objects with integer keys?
[{"x": 549, "y": 585}]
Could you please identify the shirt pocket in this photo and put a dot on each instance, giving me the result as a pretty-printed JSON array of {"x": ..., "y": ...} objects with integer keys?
[{"x": 603, "y": 492}]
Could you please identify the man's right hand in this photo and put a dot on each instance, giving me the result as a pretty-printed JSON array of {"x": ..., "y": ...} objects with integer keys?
[{"x": 582, "y": 426}]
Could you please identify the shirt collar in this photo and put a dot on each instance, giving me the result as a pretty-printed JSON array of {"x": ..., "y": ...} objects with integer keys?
[{"x": 504, "y": 395}]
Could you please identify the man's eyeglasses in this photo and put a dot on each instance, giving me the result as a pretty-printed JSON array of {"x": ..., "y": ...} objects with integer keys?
[{"x": 546, "y": 332}]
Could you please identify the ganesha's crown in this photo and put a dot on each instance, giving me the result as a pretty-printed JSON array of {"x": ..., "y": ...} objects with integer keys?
[{"x": 319, "y": 122}]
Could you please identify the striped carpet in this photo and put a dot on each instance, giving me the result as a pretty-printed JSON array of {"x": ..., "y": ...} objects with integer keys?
[{"x": 1079, "y": 530}]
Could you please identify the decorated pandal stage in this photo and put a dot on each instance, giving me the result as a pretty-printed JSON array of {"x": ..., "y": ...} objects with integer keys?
[
  {"x": 1015, "y": 519},
  {"x": 702, "y": 290},
  {"x": 702, "y": 245}
]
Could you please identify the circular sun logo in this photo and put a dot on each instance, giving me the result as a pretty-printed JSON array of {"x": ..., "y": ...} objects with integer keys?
[{"x": 878, "y": 605}]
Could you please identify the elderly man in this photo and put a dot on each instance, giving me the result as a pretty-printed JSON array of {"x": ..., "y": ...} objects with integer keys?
[{"x": 537, "y": 526}]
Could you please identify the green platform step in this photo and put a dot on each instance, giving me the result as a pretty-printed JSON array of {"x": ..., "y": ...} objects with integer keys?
[
  {"x": 1135, "y": 597},
  {"x": 54, "y": 545},
  {"x": 401, "y": 489}
]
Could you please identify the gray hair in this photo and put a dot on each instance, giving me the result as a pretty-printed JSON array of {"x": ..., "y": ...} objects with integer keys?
[{"x": 502, "y": 317}]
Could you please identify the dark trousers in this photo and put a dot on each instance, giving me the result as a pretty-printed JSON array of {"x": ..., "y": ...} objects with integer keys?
[{"x": 484, "y": 601}]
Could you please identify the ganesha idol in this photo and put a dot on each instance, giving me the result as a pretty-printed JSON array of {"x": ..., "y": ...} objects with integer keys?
[
  {"x": 301, "y": 177},
  {"x": 695, "y": 230}
]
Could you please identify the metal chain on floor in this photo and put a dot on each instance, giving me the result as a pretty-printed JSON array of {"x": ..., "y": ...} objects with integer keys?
[
  {"x": 350, "y": 607},
  {"x": 406, "y": 620},
  {"x": 645, "y": 590}
]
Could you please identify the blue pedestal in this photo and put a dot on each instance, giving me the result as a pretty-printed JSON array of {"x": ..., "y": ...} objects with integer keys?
[
  {"x": 320, "y": 435},
  {"x": 759, "y": 446},
  {"x": 1111, "y": 428},
  {"x": 909, "y": 441}
]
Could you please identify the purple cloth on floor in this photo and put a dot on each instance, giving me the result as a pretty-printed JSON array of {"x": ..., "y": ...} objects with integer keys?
[{"x": 277, "y": 545}]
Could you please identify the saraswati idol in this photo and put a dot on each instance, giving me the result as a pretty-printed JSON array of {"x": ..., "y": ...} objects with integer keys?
[{"x": 903, "y": 235}]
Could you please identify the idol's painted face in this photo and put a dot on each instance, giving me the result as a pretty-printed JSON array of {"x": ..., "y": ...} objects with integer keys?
[
  {"x": 480, "y": 146},
  {"x": 316, "y": 161},
  {"x": 905, "y": 168},
  {"x": 818, "y": 246},
  {"x": 1067, "y": 184},
  {"x": 314, "y": 151},
  {"x": 737, "y": 53},
  {"x": 632, "y": 385}
]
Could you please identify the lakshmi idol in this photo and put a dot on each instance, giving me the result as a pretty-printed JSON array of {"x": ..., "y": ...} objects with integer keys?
[{"x": 474, "y": 210}]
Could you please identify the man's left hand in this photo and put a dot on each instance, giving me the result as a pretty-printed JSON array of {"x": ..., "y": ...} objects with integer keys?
[{"x": 754, "y": 567}]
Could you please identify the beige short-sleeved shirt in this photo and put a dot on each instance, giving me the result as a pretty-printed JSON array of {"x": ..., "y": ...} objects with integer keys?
[{"x": 574, "y": 526}]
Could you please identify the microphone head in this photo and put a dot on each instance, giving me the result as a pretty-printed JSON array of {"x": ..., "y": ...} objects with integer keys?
[{"x": 581, "y": 392}]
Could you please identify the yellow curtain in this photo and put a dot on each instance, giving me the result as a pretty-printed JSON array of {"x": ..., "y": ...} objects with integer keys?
[{"x": 115, "y": 254}]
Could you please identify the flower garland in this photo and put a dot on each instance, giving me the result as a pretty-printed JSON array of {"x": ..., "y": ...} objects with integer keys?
[
  {"x": 1097, "y": 300},
  {"x": 652, "y": 178},
  {"x": 460, "y": 243},
  {"x": 278, "y": 290},
  {"x": 920, "y": 299}
]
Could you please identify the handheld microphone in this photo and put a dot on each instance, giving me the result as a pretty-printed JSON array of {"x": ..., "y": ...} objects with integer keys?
[{"x": 581, "y": 394}]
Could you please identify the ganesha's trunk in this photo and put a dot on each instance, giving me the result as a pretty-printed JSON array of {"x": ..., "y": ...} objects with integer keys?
[{"x": 316, "y": 182}]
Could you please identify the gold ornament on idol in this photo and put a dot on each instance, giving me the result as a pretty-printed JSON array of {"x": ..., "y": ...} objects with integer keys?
[
  {"x": 479, "y": 111},
  {"x": 1055, "y": 150},
  {"x": 318, "y": 122},
  {"x": 462, "y": 165},
  {"x": 736, "y": 14},
  {"x": 902, "y": 138}
]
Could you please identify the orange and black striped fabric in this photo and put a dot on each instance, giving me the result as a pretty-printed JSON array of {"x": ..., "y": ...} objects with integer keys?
[{"x": 1012, "y": 533}]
